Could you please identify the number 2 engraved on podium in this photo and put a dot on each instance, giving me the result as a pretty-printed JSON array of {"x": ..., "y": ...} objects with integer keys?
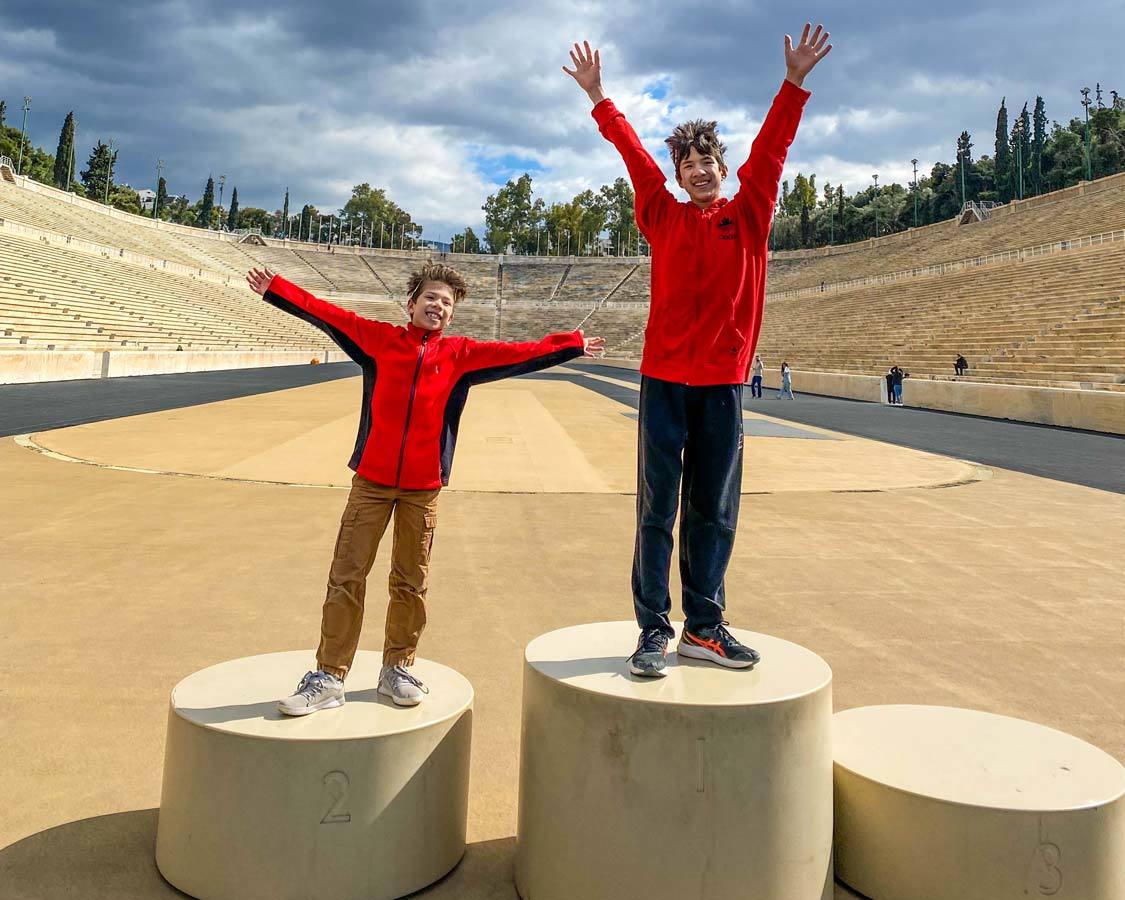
[{"x": 337, "y": 783}]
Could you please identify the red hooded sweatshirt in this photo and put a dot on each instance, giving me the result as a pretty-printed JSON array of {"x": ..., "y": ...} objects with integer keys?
[
  {"x": 415, "y": 384},
  {"x": 708, "y": 266}
]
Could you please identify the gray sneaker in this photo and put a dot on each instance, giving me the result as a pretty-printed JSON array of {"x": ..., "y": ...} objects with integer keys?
[
  {"x": 317, "y": 690},
  {"x": 648, "y": 659},
  {"x": 397, "y": 683}
]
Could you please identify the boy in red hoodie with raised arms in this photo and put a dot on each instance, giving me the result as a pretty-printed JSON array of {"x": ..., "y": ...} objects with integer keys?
[
  {"x": 415, "y": 384},
  {"x": 708, "y": 287}
]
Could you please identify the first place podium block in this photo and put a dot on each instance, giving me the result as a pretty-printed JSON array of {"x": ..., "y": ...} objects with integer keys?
[
  {"x": 368, "y": 800},
  {"x": 707, "y": 783}
]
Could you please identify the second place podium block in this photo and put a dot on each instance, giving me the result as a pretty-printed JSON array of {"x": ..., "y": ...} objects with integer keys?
[
  {"x": 365, "y": 801},
  {"x": 707, "y": 783}
]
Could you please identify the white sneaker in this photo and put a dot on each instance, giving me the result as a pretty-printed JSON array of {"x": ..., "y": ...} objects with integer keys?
[
  {"x": 402, "y": 687},
  {"x": 317, "y": 690}
]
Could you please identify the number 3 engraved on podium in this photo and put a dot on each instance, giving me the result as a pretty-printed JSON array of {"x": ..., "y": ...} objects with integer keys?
[
  {"x": 1047, "y": 857},
  {"x": 337, "y": 784}
]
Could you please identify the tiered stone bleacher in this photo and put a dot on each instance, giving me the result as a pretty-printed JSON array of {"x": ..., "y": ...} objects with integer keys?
[
  {"x": 52, "y": 297},
  {"x": 530, "y": 280},
  {"x": 1054, "y": 320}
]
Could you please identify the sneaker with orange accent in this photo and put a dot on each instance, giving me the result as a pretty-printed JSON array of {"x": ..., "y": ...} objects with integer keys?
[{"x": 715, "y": 644}]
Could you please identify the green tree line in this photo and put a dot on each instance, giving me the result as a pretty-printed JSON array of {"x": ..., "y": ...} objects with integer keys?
[
  {"x": 1027, "y": 160},
  {"x": 369, "y": 216}
]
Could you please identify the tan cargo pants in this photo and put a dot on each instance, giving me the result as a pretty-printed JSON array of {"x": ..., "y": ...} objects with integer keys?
[{"x": 364, "y": 522}]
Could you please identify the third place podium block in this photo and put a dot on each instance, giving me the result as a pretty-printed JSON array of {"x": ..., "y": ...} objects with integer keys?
[{"x": 707, "y": 783}]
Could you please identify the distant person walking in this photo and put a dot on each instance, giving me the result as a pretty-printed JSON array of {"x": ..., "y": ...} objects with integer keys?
[
  {"x": 786, "y": 383},
  {"x": 756, "y": 369},
  {"x": 961, "y": 366},
  {"x": 896, "y": 379}
]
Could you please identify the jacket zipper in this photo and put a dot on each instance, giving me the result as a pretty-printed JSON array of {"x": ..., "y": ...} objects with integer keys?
[{"x": 410, "y": 407}]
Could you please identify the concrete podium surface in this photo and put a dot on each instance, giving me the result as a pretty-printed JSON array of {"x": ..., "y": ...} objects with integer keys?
[
  {"x": 368, "y": 800},
  {"x": 936, "y": 802},
  {"x": 709, "y": 782}
]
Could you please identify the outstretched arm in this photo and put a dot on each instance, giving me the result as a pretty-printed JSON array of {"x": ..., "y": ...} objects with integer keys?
[
  {"x": 647, "y": 177},
  {"x": 493, "y": 360},
  {"x": 354, "y": 334},
  {"x": 760, "y": 175}
]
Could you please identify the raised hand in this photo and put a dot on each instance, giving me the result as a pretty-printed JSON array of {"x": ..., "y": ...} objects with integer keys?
[
  {"x": 259, "y": 280},
  {"x": 587, "y": 71},
  {"x": 593, "y": 346},
  {"x": 799, "y": 60}
]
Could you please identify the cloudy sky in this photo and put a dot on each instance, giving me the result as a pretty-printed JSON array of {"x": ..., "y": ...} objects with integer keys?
[{"x": 442, "y": 102}]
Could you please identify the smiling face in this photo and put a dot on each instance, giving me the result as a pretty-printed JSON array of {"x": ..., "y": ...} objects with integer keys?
[
  {"x": 432, "y": 309},
  {"x": 701, "y": 175}
]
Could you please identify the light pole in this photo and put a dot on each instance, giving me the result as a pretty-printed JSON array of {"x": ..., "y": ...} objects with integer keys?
[
  {"x": 222, "y": 184},
  {"x": 914, "y": 163},
  {"x": 1019, "y": 155},
  {"x": 108, "y": 170},
  {"x": 156, "y": 199},
  {"x": 961, "y": 166},
  {"x": 874, "y": 204},
  {"x": 1086, "y": 103},
  {"x": 23, "y": 132}
]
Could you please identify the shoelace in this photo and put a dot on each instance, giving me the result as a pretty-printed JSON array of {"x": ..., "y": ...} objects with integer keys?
[
  {"x": 721, "y": 630},
  {"x": 312, "y": 684},
  {"x": 653, "y": 640},
  {"x": 400, "y": 672}
]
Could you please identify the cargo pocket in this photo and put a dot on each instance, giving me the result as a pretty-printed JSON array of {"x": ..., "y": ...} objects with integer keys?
[{"x": 429, "y": 523}]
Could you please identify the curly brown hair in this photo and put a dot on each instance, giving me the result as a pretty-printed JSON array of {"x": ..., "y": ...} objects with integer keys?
[
  {"x": 437, "y": 272},
  {"x": 699, "y": 134}
]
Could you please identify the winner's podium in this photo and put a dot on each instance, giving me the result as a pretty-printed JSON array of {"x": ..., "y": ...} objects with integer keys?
[
  {"x": 707, "y": 783},
  {"x": 368, "y": 800}
]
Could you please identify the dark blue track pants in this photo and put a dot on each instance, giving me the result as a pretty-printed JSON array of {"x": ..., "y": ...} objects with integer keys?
[{"x": 689, "y": 454}]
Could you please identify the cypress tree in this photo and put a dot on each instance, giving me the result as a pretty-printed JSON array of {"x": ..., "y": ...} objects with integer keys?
[
  {"x": 1003, "y": 156},
  {"x": 161, "y": 195},
  {"x": 3, "y": 112},
  {"x": 304, "y": 229},
  {"x": 204, "y": 220},
  {"x": 64, "y": 155},
  {"x": 1038, "y": 142},
  {"x": 285, "y": 212},
  {"x": 99, "y": 171},
  {"x": 232, "y": 217}
]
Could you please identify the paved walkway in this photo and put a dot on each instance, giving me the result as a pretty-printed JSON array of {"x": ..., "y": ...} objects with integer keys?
[{"x": 1078, "y": 457}]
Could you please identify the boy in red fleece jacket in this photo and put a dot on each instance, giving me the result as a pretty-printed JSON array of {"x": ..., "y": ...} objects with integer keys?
[
  {"x": 415, "y": 384},
  {"x": 708, "y": 287}
]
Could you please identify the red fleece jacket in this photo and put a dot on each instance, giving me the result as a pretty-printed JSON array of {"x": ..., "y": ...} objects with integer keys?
[
  {"x": 708, "y": 266},
  {"x": 415, "y": 384}
]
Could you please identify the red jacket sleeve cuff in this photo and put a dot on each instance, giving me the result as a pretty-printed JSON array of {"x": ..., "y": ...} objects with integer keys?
[
  {"x": 281, "y": 287},
  {"x": 793, "y": 94},
  {"x": 603, "y": 112}
]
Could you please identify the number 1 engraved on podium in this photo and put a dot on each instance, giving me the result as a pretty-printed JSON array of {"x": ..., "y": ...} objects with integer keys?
[
  {"x": 701, "y": 748},
  {"x": 337, "y": 783}
]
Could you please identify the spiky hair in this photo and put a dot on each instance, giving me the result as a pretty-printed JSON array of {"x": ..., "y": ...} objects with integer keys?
[
  {"x": 698, "y": 134},
  {"x": 437, "y": 272}
]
